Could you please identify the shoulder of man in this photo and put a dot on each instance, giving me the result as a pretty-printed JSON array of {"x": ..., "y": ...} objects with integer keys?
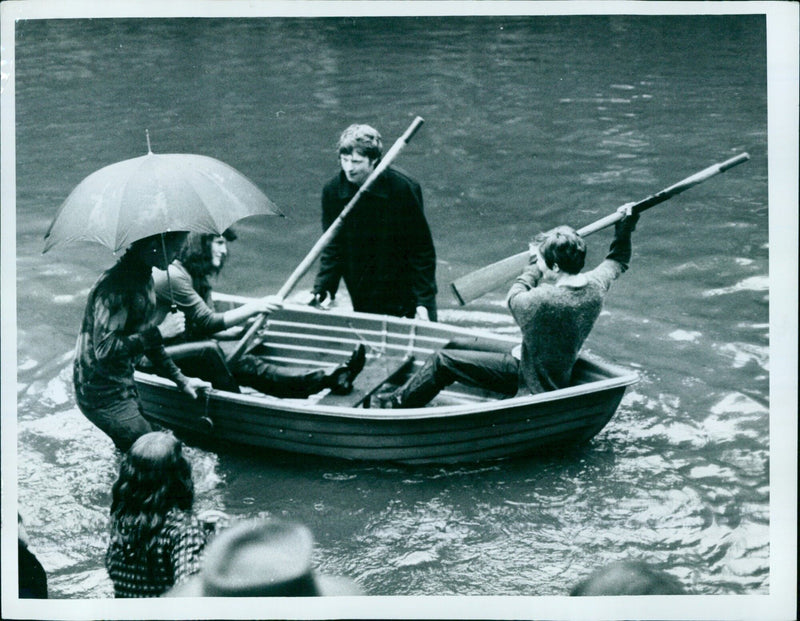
[
  {"x": 333, "y": 183},
  {"x": 400, "y": 176}
]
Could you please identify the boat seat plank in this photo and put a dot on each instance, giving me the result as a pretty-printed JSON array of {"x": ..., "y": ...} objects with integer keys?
[{"x": 376, "y": 373}]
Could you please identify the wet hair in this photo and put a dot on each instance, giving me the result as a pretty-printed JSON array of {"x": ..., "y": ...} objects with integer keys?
[
  {"x": 565, "y": 247},
  {"x": 363, "y": 139},
  {"x": 195, "y": 255},
  {"x": 628, "y": 578},
  {"x": 154, "y": 477}
]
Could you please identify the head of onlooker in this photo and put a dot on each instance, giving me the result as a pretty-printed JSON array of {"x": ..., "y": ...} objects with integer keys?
[
  {"x": 628, "y": 578},
  {"x": 203, "y": 255},
  {"x": 154, "y": 477},
  {"x": 262, "y": 558},
  {"x": 360, "y": 148}
]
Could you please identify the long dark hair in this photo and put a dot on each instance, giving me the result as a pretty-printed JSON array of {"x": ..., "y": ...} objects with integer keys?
[
  {"x": 196, "y": 258},
  {"x": 154, "y": 477}
]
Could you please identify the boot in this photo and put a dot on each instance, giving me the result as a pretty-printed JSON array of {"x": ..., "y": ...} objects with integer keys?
[
  {"x": 340, "y": 381},
  {"x": 423, "y": 386}
]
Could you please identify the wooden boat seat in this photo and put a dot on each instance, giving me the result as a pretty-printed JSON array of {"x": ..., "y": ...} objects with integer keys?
[
  {"x": 376, "y": 373},
  {"x": 204, "y": 359}
]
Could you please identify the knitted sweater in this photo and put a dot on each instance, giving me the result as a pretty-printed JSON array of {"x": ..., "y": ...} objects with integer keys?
[{"x": 556, "y": 319}]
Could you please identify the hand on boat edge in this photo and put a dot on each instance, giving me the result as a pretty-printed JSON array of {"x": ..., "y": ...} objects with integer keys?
[{"x": 193, "y": 385}]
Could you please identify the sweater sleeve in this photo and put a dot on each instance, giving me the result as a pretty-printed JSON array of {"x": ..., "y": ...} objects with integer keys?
[
  {"x": 166, "y": 365},
  {"x": 111, "y": 344},
  {"x": 200, "y": 318},
  {"x": 187, "y": 549},
  {"x": 620, "y": 250},
  {"x": 527, "y": 280},
  {"x": 619, "y": 254}
]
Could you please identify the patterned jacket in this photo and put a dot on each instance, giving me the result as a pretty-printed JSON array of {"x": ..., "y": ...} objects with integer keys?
[
  {"x": 175, "y": 554},
  {"x": 118, "y": 329}
]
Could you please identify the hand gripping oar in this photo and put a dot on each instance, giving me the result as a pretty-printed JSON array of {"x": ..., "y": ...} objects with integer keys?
[
  {"x": 328, "y": 235},
  {"x": 475, "y": 284}
]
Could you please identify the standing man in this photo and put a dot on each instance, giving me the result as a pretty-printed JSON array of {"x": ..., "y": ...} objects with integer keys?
[{"x": 384, "y": 250}]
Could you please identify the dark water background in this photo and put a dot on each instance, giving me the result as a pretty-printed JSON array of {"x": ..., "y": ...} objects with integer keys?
[{"x": 531, "y": 122}]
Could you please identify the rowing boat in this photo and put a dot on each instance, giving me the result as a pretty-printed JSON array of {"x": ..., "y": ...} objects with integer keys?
[{"x": 462, "y": 424}]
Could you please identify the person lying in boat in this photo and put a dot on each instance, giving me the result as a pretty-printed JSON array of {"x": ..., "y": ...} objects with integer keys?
[
  {"x": 555, "y": 306},
  {"x": 188, "y": 286},
  {"x": 120, "y": 327}
]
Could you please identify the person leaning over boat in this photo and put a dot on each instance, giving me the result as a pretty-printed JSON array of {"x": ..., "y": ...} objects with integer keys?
[
  {"x": 189, "y": 288},
  {"x": 555, "y": 306},
  {"x": 384, "y": 250},
  {"x": 156, "y": 540},
  {"x": 118, "y": 328}
]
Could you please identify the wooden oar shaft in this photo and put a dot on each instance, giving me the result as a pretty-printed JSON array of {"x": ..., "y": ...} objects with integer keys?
[
  {"x": 481, "y": 281},
  {"x": 328, "y": 235}
]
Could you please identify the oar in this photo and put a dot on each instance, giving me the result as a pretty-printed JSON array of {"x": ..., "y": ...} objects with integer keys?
[
  {"x": 475, "y": 284},
  {"x": 327, "y": 236}
]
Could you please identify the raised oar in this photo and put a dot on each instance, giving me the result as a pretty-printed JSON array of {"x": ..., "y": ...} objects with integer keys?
[
  {"x": 475, "y": 284},
  {"x": 328, "y": 235}
]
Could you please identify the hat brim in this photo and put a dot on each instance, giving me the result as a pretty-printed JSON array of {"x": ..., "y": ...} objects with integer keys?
[
  {"x": 327, "y": 586},
  {"x": 193, "y": 587},
  {"x": 336, "y": 585}
]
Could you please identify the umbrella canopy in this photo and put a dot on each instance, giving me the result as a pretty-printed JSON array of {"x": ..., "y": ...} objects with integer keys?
[{"x": 143, "y": 196}]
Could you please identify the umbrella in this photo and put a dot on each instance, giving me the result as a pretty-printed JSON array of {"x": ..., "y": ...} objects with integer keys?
[{"x": 154, "y": 193}]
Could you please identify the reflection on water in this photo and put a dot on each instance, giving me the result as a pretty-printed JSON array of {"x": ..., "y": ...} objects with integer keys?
[{"x": 530, "y": 123}]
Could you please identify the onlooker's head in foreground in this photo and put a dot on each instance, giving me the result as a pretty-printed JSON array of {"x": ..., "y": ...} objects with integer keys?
[
  {"x": 154, "y": 477},
  {"x": 628, "y": 578},
  {"x": 262, "y": 558}
]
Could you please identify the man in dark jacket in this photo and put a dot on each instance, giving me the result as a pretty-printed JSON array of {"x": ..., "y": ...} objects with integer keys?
[{"x": 384, "y": 250}]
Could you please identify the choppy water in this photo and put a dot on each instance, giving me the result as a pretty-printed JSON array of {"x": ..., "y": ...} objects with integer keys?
[{"x": 530, "y": 123}]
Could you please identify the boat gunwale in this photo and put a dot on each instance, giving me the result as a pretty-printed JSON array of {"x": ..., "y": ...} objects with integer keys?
[
  {"x": 620, "y": 377},
  {"x": 293, "y": 406}
]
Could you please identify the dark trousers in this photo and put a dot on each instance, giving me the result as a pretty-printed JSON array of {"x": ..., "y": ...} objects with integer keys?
[
  {"x": 492, "y": 370},
  {"x": 122, "y": 421},
  {"x": 270, "y": 379}
]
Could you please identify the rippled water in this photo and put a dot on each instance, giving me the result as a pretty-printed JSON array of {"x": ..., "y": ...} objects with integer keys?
[{"x": 530, "y": 122}]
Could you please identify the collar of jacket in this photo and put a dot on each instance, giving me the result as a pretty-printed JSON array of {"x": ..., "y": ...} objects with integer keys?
[{"x": 379, "y": 187}]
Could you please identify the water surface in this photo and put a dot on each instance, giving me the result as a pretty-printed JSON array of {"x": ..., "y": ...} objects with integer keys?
[{"x": 531, "y": 122}]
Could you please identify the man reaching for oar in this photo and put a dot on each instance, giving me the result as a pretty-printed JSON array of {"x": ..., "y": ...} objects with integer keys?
[{"x": 555, "y": 306}]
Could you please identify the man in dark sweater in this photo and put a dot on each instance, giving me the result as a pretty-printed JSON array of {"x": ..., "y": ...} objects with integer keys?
[
  {"x": 384, "y": 250},
  {"x": 555, "y": 306}
]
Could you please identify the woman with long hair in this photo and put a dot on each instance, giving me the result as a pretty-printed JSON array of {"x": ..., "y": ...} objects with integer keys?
[
  {"x": 188, "y": 286},
  {"x": 119, "y": 328},
  {"x": 156, "y": 540}
]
